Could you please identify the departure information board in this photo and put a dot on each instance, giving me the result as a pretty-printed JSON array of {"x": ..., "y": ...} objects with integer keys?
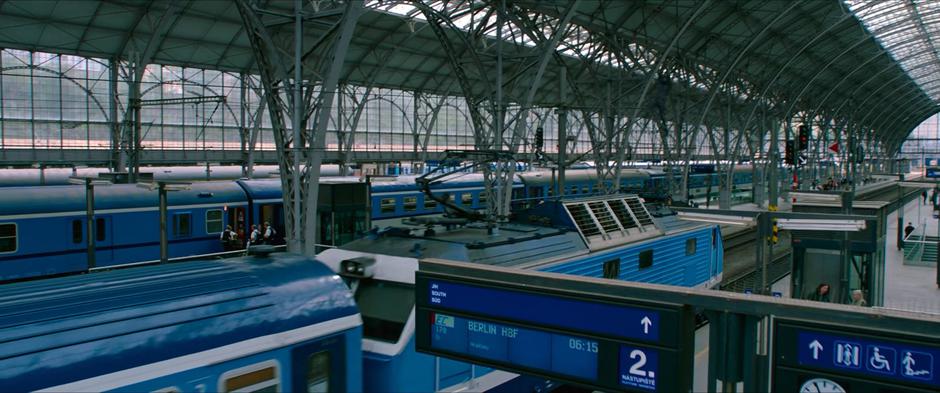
[
  {"x": 605, "y": 344},
  {"x": 851, "y": 360}
]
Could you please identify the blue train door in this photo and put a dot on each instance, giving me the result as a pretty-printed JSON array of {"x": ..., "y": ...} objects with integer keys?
[
  {"x": 320, "y": 366},
  {"x": 104, "y": 241}
]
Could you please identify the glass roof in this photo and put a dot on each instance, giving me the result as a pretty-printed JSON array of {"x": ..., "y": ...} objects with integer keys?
[{"x": 909, "y": 30}]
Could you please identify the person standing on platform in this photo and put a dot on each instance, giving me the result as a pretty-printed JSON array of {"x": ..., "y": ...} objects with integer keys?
[
  {"x": 228, "y": 238},
  {"x": 821, "y": 294},
  {"x": 924, "y": 194},
  {"x": 858, "y": 298},
  {"x": 908, "y": 230},
  {"x": 255, "y": 237},
  {"x": 269, "y": 233}
]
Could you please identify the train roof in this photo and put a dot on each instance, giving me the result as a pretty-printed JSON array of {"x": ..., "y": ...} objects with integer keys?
[
  {"x": 62, "y": 330},
  {"x": 543, "y": 177},
  {"x": 512, "y": 245},
  {"x": 57, "y": 199}
]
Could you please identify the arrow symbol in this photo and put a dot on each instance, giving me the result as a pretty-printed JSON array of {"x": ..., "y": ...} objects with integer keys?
[
  {"x": 816, "y": 347},
  {"x": 646, "y": 324}
]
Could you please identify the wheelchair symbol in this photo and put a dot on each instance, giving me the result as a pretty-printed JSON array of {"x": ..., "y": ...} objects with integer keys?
[{"x": 881, "y": 359}]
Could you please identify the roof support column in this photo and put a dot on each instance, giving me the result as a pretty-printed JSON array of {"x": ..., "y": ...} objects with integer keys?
[
  {"x": 283, "y": 70},
  {"x": 118, "y": 155},
  {"x": 773, "y": 165}
]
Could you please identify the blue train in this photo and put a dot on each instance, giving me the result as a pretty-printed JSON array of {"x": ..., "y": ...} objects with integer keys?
[
  {"x": 253, "y": 324},
  {"x": 287, "y": 323},
  {"x": 42, "y": 229},
  {"x": 613, "y": 237}
]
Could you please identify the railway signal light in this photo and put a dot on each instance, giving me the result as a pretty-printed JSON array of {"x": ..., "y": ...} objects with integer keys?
[
  {"x": 804, "y": 137},
  {"x": 539, "y": 138},
  {"x": 788, "y": 153}
]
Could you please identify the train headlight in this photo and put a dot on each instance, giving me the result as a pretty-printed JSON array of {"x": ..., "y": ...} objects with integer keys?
[{"x": 361, "y": 267}]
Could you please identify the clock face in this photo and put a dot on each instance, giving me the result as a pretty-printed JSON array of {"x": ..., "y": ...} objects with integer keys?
[{"x": 821, "y": 385}]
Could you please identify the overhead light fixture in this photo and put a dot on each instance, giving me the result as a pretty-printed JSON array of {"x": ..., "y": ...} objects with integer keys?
[
  {"x": 802, "y": 224},
  {"x": 167, "y": 185},
  {"x": 917, "y": 184},
  {"x": 85, "y": 180},
  {"x": 720, "y": 219},
  {"x": 816, "y": 197}
]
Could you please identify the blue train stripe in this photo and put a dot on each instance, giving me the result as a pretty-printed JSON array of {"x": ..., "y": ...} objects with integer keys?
[
  {"x": 84, "y": 250},
  {"x": 225, "y": 353}
]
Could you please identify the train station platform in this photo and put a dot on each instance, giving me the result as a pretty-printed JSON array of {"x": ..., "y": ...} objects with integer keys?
[{"x": 908, "y": 287}]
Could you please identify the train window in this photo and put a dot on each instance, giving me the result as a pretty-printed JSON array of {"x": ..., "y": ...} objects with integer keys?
[
  {"x": 645, "y": 259},
  {"x": 690, "y": 245},
  {"x": 100, "y": 230},
  {"x": 586, "y": 190},
  {"x": 76, "y": 231},
  {"x": 411, "y": 203},
  {"x": 261, "y": 377},
  {"x": 213, "y": 221},
  {"x": 8, "y": 237},
  {"x": 318, "y": 373},
  {"x": 387, "y": 205},
  {"x": 466, "y": 199},
  {"x": 429, "y": 204},
  {"x": 385, "y": 307},
  {"x": 482, "y": 197},
  {"x": 612, "y": 268},
  {"x": 181, "y": 225}
]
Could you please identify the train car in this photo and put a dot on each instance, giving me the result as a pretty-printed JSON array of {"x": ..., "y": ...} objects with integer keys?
[
  {"x": 613, "y": 237},
  {"x": 276, "y": 322},
  {"x": 43, "y": 229},
  {"x": 541, "y": 184},
  {"x": 400, "y": 197},
  {"x": 21, "y": 177}
]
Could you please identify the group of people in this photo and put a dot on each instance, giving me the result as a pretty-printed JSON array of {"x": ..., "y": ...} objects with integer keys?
[
  {"x": 828, "y": 185},
  {"x": 259, "y": 235},
  {"x": 821, "y": 294}
]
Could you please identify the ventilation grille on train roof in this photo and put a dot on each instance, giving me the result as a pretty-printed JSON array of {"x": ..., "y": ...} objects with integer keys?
[{"x": 612, "y": 220}]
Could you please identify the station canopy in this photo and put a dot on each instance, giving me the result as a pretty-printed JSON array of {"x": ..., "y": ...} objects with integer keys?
[{"x": 872, "y": 63}]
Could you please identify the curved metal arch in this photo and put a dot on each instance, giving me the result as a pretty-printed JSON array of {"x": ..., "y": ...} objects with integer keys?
[
  {"x": 890, "y": 66},
  {"x": 61, "y": 75},
  {"x": 848, "y": 99},
  {"x": 909, "y": 124},
  {"x": 826, "y": 67},
  {"x": 660, "y": 61},
  {"x": 372, "y": 97},
  {"x": 911, "y": 97},
  {"x": 207, "y": 87},
  {"x": 741, "y": 54},
  {"x": 869, "y": 36},
  {"x": 773, "y": 81},
  {"x": 886, "y": 119},
  {"x": 914, "y": 122}
]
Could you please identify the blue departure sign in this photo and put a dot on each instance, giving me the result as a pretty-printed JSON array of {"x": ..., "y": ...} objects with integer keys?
[
  {"x": 634, "y": 346},
  {"x": 618, "y": 321},
  {"x": 884, "y": 358},
  {"x": 553, "y": 352}
]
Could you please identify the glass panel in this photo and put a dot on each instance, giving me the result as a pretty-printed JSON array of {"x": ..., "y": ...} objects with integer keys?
[
  {"x": 7, "y": 237},
  {"x": 387, "y": 205},
  {"x": 76, "y": 231},
  {"x": 411, "y": 203},
  {"x": 385, "y": 307},
  {"x": 263, "y": 380},
  {"x": 100, "y": 232},
  {"x": 214, "y": 221},
  {"x": 318, "y": 374}
]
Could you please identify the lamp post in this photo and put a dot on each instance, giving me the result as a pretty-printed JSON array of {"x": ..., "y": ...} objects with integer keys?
[
  {"x": 90, "y": 184},
  {"x": 162, "y": 188}
]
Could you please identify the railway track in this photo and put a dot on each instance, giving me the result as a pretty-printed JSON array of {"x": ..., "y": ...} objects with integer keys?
[{"x": 779, "y": 267}]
